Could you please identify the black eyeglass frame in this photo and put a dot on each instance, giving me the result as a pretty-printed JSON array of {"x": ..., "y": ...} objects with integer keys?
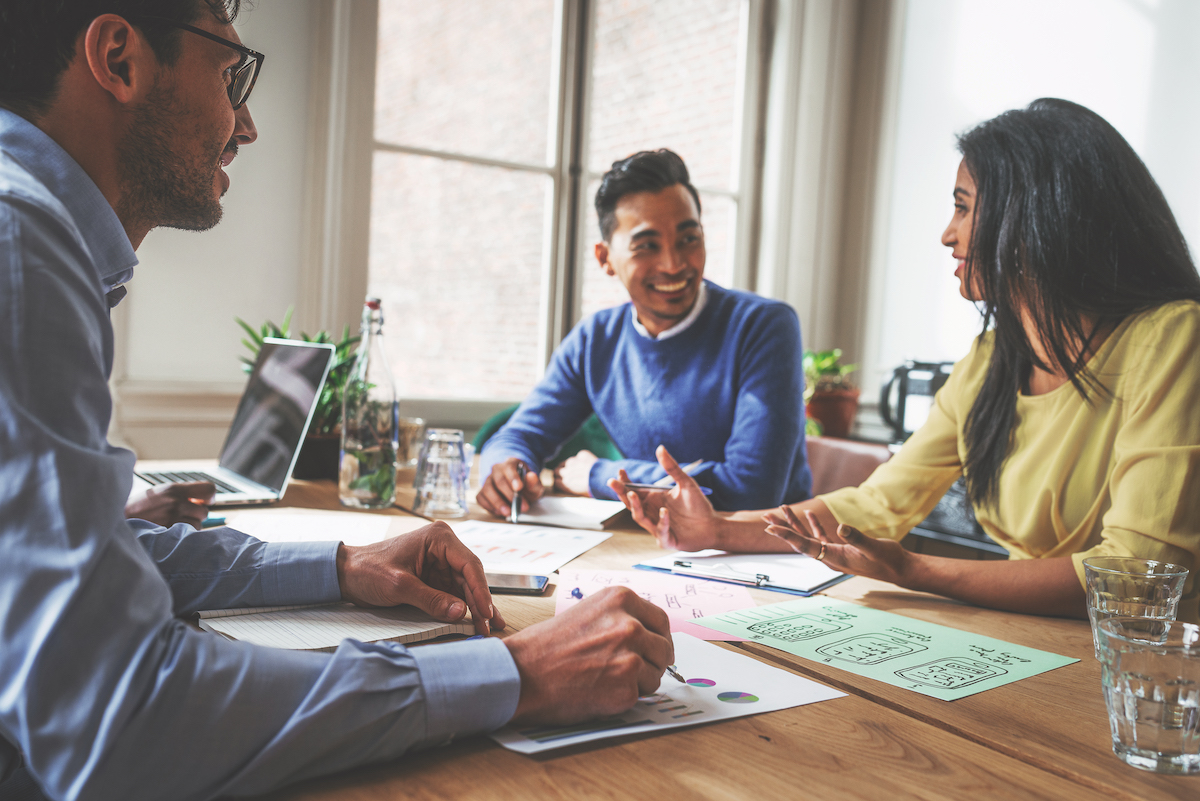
[{"x": 254, "y": 57}]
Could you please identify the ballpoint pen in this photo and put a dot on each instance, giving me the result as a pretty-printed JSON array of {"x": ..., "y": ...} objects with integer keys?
[
  {"x": 515, "y": 511},
  {"x": 674, "y": 671}
]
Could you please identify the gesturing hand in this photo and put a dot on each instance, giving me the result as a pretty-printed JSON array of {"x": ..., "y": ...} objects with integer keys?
[
  {"x": 594, "y": 659},
  {"x": 428, "y": 568},
  {"x": 847, "y": 549},
  {"x": 680, "y": 518},
  {"x": 168, "y": 504},
  {"x": 574, "y": 475}
]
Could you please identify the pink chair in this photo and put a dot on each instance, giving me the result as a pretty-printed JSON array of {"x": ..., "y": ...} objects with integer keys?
[{"x": 837, "y": 463}]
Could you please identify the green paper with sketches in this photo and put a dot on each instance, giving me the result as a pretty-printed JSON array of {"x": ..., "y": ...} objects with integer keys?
[{"x": 933, "y": 660}]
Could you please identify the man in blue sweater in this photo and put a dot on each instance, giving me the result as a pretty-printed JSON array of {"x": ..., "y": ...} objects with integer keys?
[{"x": 713, "y": 374}]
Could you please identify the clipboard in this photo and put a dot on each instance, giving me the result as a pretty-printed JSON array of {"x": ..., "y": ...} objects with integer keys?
[{"x": 794, "y": 574}]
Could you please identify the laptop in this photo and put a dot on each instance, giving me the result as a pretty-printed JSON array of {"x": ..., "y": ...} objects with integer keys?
[{"x": 272, "y": 418}]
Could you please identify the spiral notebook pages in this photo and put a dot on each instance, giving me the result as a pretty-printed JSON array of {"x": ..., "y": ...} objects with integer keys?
[{"x": 322, "y": 628}]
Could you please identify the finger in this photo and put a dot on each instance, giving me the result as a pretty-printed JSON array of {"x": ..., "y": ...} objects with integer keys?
[
  {"x": 436, "y": 603},
  {"x": 618, "y": 489},
  {"x": 665, "y": 538},
  {"x": 673, "y": 469},
  {"x": 793, "y": 521},
  {"x": 798, "y": 542},
  {"x": 533, "y": 488},
  {"x": 634, "y": 504},
  {"x": 491, "y": 497},
  {"x": 814, "y": 525},
  {"x": 774, "y": 517},
  {"x": 467, "y": 573}
]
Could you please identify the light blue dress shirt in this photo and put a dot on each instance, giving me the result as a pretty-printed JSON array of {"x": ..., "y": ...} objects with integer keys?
[{"x": 103, "y": 690}]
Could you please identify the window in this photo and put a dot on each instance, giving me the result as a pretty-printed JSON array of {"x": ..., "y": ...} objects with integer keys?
[{"x": 492, "y": 127}]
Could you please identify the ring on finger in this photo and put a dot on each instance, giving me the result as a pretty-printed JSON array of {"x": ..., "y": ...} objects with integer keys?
[{"x": 821, "y": 553}]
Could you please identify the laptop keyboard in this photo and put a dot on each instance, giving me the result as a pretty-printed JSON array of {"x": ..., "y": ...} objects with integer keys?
[{"x": 186, "y": 477}]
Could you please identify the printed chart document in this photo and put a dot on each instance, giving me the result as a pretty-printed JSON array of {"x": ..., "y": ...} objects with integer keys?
[
  {"x": 933, "y": 660},
  {"x": 533, "y": 550},
  {"x": 571, "y": 512},
  {"x": 684, "y": 599},
  {"x": 721, "y": 685},
  {"x": 793, "y": 573},
  {"x": 322, "y": 628},
  {"x": 502, "y": 547}
]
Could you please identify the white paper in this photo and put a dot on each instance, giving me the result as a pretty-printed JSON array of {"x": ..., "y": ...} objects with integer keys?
[
  {"x": 502, "y": 547},
  {"x": 532, "y": 550},
  {"x": 324, "y": 627},
  {"x": 792, "y": 570},
  {"x": 722, "y": 685},
  {"x": 571, "y": 512}
]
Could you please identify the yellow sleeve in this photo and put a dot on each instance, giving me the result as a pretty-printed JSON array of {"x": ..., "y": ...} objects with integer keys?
[
  {"x": 1154, "y": 486},
  {"x": 903, "y": 491}
]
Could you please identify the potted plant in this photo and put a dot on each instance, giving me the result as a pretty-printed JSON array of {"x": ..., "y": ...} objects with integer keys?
[
  {"x": 829, "y": 397},
  {"x": 319, "y": 454}
]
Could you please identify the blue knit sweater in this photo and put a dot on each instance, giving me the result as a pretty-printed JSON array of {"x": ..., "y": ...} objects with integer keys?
[{"x": 728, "y": 390}]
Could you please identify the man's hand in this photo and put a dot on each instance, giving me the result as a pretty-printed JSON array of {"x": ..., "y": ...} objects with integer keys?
[
  {"x": 681, "y": 518},
  {"x": 593, "y": 660},
  {"x": 574, "y": 475},
  {"x": 498, "y": 489},
  {"x": 428, "y": 568},
  {"x": 168, "y": 504}
]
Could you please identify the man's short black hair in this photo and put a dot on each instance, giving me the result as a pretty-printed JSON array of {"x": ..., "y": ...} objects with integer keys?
[
  {"x": 644, "y": 171},
  {"x": 37, "y": 39}
]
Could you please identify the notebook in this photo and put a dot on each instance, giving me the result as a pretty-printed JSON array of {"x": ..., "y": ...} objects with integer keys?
[
  {"x": 268, "y": 429},
  {"x": 323, "y": 627}
]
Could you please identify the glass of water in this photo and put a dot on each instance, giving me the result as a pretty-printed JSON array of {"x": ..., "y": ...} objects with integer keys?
[
  {"x": 1119, "y": 586},
  {"x": 1151, "y": 675},
  {"x": 441, "y": 482}
]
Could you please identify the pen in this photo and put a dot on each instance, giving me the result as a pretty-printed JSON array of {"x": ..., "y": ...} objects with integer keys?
[
  {"x": 633, "y": 485},
  {"x": 515, "y": 511},
  {"x": 674, "y": 671}
]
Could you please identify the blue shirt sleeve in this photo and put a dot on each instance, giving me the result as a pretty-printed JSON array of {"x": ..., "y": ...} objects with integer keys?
[{"x": 102, "y": 689}]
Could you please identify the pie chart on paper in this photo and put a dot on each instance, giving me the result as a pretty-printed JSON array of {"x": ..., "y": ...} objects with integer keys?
[{"x": 737, "y": 698}]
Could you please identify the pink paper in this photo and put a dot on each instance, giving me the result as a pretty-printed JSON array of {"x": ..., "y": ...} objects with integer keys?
[{"x": 683, "y": 598}]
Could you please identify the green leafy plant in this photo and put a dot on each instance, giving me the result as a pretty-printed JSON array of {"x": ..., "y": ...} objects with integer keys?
[
  {"x": 328, "y": 417},
  {"x": 823, "y": 371}
]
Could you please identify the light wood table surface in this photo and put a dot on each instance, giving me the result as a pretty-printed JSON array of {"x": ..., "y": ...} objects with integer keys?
[{"x": 1043, "y": 737}]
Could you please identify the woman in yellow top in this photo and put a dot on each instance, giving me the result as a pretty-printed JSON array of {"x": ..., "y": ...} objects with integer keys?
[{"x": 1075, "y": 418}]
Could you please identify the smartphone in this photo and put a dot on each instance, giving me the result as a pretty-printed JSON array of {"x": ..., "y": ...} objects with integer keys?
[{"x": 516, "y": 583}]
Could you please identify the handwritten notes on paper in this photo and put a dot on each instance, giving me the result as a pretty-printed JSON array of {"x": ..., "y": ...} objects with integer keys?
[
  {"x": 683, "y": 599},
  {"x": 924, "y": 657},
  {"x": 720, "y": 684}
]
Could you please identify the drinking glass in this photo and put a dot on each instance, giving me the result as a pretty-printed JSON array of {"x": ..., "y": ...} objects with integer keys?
[
  {"x": 1150, "y": 671},
  {"x": 441, "y": 482},
  {"x": 1128, "y": 587}
]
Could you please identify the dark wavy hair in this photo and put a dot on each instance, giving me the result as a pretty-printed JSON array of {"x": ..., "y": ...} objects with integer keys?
[
  {"x": 37, "y": 39},
  {"x": 644, "y": 171},
  {"x": 1069, "y": 226}
]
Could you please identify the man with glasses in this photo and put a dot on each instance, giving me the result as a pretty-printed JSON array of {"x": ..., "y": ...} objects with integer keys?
[{"x": 118, "y": 116}]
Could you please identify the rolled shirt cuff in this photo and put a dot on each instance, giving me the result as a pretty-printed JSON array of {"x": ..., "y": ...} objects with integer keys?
[
  {"x": 470, "y": 686},
  {"x": 300, "y": 573}
]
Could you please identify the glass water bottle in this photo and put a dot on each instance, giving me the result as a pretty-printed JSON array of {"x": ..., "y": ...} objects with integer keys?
[{"x": 370, "y": 421}]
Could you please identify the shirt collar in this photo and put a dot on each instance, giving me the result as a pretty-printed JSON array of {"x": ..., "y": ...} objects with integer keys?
[
  {"x": 102, "y": 232},
  {"x": 679, "y": 327}
]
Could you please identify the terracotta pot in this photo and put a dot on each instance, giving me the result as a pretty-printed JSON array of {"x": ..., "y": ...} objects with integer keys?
[
  {"x": 319, "y": 456},
  {"x": 834, "y": 409}
]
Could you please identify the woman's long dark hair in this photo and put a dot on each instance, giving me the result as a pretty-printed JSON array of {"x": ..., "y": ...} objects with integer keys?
[{"x": 1068, "y": 222}]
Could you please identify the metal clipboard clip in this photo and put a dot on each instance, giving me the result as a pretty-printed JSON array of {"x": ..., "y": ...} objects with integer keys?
[{"x": 759, "y": 580}]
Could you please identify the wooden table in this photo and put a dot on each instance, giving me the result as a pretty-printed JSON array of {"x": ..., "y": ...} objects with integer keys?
[{"x": 1043, "y": 737}]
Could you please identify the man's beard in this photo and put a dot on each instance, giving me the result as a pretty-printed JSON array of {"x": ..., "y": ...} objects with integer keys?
[{"x": 161, "y": 187}]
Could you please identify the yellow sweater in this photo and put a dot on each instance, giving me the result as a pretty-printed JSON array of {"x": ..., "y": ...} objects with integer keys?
[{"x": 1118, "y": 477}]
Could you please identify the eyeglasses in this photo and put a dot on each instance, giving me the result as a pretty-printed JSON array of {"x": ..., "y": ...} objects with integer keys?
[{"x": 244, "y": 74}]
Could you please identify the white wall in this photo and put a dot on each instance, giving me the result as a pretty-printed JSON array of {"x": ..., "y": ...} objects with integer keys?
[
  {"x": 1135, "y": 62},
  {"x": 177, "y": 324}
]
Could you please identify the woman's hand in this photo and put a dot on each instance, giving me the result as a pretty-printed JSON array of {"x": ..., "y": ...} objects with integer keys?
[
  {"x": 847, "y": 549},
  {"x": 680, "y": 518}
]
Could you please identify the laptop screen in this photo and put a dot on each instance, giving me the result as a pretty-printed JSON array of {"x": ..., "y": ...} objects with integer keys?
[{"x": 273, "y": 415}]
